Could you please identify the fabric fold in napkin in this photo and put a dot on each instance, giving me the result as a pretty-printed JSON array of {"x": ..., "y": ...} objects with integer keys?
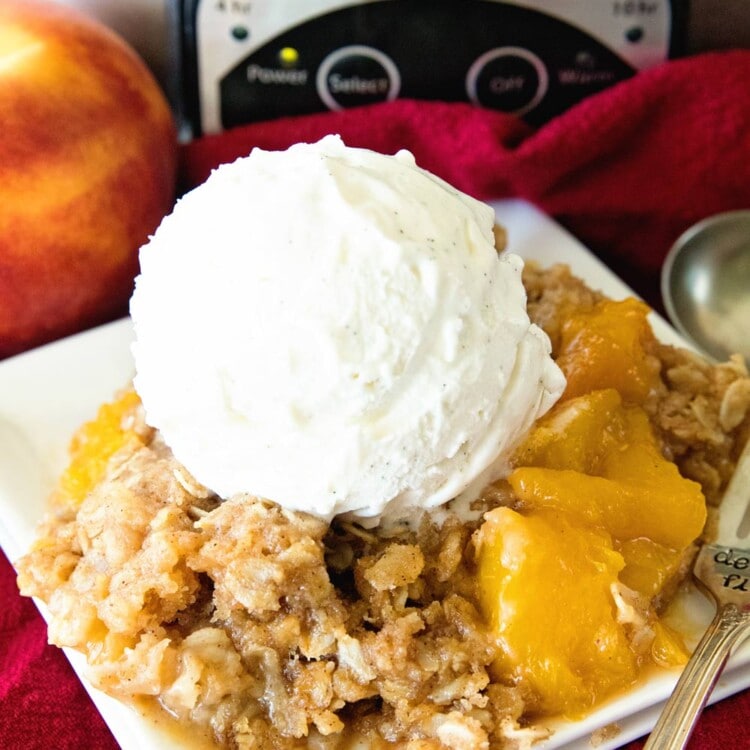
[{"x": 626, "y": 171}]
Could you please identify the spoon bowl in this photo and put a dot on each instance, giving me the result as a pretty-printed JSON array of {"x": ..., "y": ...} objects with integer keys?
[{"x": 705, "y": 284}]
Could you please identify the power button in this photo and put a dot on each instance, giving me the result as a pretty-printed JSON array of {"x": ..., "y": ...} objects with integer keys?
[
  {"x": 510, "y": 79},
  {"x": 355, "y": 75}
]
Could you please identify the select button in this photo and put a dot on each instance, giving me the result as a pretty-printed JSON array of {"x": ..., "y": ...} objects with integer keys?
[
  {"x": 510, "y": 79},
  {"x": 357, "y": 75}
]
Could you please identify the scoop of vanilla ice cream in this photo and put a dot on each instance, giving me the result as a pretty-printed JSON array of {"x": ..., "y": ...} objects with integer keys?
[{"x": 332, "y": 329}]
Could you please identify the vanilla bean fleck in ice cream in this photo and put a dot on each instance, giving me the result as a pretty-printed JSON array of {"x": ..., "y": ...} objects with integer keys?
[{"x": 332, "y": 329}]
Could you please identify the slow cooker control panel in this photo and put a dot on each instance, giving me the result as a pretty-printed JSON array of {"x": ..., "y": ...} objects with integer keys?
[{"x": 246, "y": 61}]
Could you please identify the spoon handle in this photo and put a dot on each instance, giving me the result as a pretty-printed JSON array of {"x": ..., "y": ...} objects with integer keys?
[{"x": 675, "y": 725}]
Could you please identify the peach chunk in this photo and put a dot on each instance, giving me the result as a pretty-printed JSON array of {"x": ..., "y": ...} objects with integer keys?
[
  {"x": 648, "y": 565},
  {"x": 667, "y": 648},
  {"x": 608, "y": 347},
  {"x": 92, "y": 447},
  {"x": 599, "y": 460},
  {"x": 545, "y": 586}
]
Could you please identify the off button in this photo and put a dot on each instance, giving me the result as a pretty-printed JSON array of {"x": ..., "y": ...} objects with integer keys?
[
  {"x": 355, "y": 75},
  {"x": 510, "y": 79}
]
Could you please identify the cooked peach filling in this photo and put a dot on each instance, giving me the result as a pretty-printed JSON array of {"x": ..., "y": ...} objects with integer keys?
[
  {"x": 93, "y": 445},
  {"x": 606, "y": 347},
  {"x": 601, "y": 523}
]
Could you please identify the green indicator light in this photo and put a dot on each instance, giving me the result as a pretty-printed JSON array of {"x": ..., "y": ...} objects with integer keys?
[
  {"x": 240, "y": 33},
  {"x": 288, "y": 56}
]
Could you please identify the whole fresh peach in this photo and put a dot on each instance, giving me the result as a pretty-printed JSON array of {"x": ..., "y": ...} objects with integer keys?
[{"x": 87, "y": 170}]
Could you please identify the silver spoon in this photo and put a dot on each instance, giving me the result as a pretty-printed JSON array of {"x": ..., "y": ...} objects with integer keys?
[
  {"x": 706, "y": 290},
  {"x": 705, "y": 284}
]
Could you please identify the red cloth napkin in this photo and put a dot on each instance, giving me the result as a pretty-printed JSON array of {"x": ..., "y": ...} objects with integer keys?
[{"x": 626, "y": 171}]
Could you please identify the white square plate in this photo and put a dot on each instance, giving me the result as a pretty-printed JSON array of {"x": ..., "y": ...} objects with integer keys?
[{"x": 47, "y": 393}]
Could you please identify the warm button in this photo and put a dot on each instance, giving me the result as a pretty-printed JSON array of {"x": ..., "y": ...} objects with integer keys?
[
  {"x": 357, "y": 75},
  {"x": 510, "y": 79}
]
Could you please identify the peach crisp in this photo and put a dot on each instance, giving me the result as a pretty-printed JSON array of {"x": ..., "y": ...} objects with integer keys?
[{"x": 269, "y": 628}]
